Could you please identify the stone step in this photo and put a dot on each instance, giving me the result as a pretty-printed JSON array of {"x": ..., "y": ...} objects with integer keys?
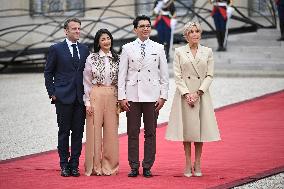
[
  {"x": 267, "y": 37},
  {"x": 250, "y": 65},
  {"x": 251, "y": 61},
  {"x": 254, "y": 43},
  {"x": 268, "y": 32},
  {"x": 231, "y": 71},
  {"x": 244, "y": 65},
  {"x": 241, "y": 43},
  {"x": 248, "y": 73},
  {"x": 255, "y": 49},
  {"x": 267, "y": 56}
]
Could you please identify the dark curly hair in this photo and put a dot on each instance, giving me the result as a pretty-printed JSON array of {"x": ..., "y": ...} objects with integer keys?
[
  {"x": 138, "y": 18},
  {"x": 97, "y": 46}
]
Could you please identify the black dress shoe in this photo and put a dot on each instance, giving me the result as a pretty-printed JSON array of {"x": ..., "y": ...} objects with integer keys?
[
  {"x": 65, "y": 172},
  {"x": 133, "y": 173},
  {"x": 75, "y": 172},
  {"x": 219, "y": 49},
  {"x": 147, "y": 173}
]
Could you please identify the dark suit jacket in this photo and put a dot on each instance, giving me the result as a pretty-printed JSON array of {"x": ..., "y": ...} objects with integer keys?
[{"x": 62, "y": 78}]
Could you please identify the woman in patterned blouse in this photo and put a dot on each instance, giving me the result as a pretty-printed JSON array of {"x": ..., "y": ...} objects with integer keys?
[{"x": 100, "y": 86}]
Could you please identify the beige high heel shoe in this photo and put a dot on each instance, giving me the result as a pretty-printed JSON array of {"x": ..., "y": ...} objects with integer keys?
[
  {"x": 196, "y": 174},
  {"x": 188, "y": 172}
]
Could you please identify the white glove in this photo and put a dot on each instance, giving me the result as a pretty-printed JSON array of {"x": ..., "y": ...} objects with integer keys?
[
  {"x": 173, "y": 23},
  {"x": 230, "y": 11},
  {"x": 158, "y": 7}
]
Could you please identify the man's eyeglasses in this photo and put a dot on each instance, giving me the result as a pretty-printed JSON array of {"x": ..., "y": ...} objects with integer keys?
[{"x": 144, "y": 26}]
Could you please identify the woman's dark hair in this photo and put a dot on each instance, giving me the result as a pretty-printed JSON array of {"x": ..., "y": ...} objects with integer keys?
[{"x": 97, "y": 44}]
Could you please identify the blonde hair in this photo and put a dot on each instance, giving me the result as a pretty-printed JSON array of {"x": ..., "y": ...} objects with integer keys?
[{"x": 189, "y": 26}]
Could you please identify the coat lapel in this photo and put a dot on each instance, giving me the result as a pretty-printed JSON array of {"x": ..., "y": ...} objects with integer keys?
[
  {"x": 137, "y": 56},
  {"x": 188, "y": 53},
  {"x": 82, "y": 62},
  {"x": 193, "y": 60},
  {"x": 148, "y": 51},
  {"x": 67, "y": 51},
  {"x": 198, "y": 54}
]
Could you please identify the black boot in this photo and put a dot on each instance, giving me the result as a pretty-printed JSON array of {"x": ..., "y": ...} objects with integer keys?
[
  {"x": 281, "y": 31},
  {"x": 219, "y": 40},
  {"x": 167, "y": 51},
  {"x": 223, "y": 33},
  {"x": 133, "y": 173}
]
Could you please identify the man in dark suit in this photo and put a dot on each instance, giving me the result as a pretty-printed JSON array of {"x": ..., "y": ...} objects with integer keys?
[{"x": 64, "y": 83}]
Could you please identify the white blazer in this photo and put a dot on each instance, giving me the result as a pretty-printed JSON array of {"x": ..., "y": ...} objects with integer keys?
[{"x": 143, "y": 80}]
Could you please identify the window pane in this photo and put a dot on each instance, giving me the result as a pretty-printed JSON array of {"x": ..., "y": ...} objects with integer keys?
[
  {"x": 57, "y": 7},
  {"x": 144, "y": 7},
  {"x": 260, "y": 6},
  {"x": 181, "y": 9}
]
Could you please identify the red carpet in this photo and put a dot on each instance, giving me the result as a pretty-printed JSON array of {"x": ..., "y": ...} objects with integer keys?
[{"x": 252, "y": 147}]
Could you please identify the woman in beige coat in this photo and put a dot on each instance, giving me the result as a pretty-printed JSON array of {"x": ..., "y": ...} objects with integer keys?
[{"x": 192, "y": 117}]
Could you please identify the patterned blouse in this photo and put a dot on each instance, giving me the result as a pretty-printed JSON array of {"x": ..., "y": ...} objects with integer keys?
[{"x": 100, "y": 69}]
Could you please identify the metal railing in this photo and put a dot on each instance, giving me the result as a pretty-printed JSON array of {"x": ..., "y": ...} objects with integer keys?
[{"x": 15, "y": 50}]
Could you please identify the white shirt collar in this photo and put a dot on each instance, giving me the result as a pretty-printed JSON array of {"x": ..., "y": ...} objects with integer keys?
[
  {"x": 69, "y": 43},
  {"x": 102, "y": 53},
  {"x": 141, "y": 42}
]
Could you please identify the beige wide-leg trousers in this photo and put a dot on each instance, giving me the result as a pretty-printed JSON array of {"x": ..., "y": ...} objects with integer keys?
[{"x": 101, "y": 156}]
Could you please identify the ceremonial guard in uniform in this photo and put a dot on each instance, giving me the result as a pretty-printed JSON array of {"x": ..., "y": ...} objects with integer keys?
[{"x": 219, "y": 14}]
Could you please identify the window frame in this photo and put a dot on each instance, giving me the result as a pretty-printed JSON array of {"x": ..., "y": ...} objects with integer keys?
[{"x": 37, "y": 8}]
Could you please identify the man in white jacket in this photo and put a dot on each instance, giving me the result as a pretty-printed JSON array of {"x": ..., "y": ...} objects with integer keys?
[{"x": 143, "y": 84}]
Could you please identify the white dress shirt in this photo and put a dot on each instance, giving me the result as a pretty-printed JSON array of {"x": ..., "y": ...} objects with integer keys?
[
  {"x": 98, "y": 70},
  {"x": 69, "y": 43},
  {"x": 107, "y": 80}
]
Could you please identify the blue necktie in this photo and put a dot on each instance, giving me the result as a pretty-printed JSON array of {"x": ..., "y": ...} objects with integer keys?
[
  {"x": 75, "y": 55},
  {"x": 143, "y": 50}
]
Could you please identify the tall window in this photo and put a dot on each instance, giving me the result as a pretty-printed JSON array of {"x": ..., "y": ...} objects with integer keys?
[
  {"x": 261, "y": 6},
  {"x": 57, "y": 7},
  {"x": 144, "y": 7},
  {"x": 182, "y": 8}
]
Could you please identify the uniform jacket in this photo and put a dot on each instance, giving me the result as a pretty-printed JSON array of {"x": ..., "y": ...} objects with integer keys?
[{"x": 143, "y": 80}]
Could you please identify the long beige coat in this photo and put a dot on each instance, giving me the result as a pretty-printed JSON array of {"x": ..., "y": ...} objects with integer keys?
[{"x": 198, "y": 123}]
